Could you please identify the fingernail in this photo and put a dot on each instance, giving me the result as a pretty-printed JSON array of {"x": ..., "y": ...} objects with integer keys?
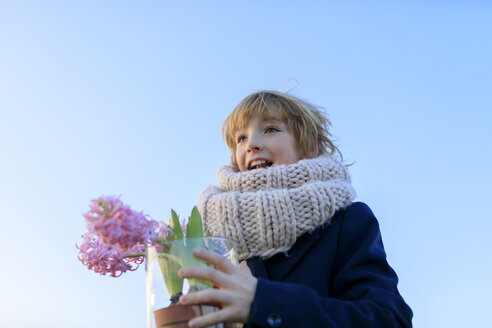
[
  {"x": 198, "y": 251},
  {"x": 181, "y": 272},
  {"x": 191, "y": 324}
]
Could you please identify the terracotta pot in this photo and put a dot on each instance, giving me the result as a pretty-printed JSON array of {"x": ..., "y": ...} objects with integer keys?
[{"x": 177, "y": 316}]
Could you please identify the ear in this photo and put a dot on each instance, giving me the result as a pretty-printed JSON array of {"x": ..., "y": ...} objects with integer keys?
[{"x": 314, "y": 153}]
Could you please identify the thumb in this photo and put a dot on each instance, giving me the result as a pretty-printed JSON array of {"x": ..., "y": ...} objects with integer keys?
[{"x": 244, "y": 266}]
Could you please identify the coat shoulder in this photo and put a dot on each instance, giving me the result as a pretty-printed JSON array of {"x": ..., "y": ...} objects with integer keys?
[
  {"x": 358, "y": 214},
  {"x": 359, "y": 208}
]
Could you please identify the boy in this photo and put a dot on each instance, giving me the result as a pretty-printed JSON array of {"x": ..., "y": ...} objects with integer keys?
[{"x": 311, "y": 257}]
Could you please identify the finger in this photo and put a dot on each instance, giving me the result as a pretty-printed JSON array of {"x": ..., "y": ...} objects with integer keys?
[
  {"x": 216, "y": 259},
  {"x": 217, "y": 277},
  {"x": 185, "y": 300},
  {"x": 210, "y": 296},
  {"x": 225, "y": 315},
  {"x": 244, "y": 267}
]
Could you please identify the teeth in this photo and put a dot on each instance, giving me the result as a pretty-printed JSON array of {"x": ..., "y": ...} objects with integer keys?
[
  {"x": 256, "y": 163},
  {"x": 259, "y": 163}
]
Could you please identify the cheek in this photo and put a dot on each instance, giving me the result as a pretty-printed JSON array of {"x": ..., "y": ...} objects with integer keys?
[
  {"x": 238, "y": 153},
  {"x": 295, "y": 151},
  {"x": 239, "y": 157},
  {"x": 285, "y": 153}
]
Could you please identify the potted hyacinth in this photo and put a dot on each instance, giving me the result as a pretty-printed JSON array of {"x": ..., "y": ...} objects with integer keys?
[{"x": 119, "y": 239}]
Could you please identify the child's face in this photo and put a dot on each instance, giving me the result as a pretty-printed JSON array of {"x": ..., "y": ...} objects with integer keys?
[{"x": 262, "y": 143}]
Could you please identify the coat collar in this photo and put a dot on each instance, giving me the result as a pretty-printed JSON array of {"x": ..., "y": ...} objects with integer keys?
[{"x": 278, "y": 266}]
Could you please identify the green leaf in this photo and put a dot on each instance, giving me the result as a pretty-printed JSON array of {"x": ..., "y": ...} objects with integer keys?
[
  {"x": 177, "y": 232},
  {"x": 189, "y": 260},
  {"x": 169, "y": 268},
  {"x": 132, "y": 255},
  {"x": 194, "y": 226},
  {"x": 182, "y": 250}
]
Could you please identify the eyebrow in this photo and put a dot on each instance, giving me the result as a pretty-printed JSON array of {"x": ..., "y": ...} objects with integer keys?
[{"x": 272, "y": 119}]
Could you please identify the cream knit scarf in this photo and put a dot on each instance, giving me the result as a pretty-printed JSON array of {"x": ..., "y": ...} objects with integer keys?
[{"x": 265, "y": 210}]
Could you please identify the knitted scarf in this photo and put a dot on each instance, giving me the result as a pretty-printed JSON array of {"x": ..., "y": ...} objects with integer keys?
[{"x": 264, "y": 211}]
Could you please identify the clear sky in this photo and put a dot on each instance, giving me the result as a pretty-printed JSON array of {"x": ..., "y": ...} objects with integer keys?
[{"x": 128, "y": 98}]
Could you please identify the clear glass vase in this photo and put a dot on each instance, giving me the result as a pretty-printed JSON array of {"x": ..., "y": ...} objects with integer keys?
[{"x": 164, "y": 286}]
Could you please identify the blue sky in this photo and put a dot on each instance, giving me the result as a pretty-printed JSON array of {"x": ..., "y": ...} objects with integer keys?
[{"x": 128, "y": 98}]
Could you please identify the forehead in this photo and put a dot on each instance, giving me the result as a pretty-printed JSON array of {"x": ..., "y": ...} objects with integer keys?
[{"x": 271, "y": 113}]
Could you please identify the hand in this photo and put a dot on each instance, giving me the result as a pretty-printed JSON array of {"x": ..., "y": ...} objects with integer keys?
[{"x": 237, "y": 287}]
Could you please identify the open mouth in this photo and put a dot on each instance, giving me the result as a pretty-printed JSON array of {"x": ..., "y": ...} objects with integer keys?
[{"x": 260, "y": 164}]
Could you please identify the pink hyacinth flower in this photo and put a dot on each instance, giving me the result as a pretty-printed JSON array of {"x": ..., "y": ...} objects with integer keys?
[
  {"x": 104, "y": 259},
  {"x": 164, "y": 230},
  {"x": 116, "y": 224}
]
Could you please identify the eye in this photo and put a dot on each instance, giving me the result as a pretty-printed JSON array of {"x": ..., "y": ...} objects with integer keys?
[
  {"x": 271, "y": 129},
  {"x": 240, "y": 139}
]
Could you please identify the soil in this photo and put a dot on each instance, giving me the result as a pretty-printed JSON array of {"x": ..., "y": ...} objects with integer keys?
[{"x": 175, "y": 298}]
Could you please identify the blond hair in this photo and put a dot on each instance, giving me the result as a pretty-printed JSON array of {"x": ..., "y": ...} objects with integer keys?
[{"x": 307, "y": 122}]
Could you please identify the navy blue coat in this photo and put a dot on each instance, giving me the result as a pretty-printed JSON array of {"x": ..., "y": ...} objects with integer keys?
[{"x": 336, "y": 276}]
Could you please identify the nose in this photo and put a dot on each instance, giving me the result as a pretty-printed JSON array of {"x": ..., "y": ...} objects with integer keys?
[
  {"x": 254, "y": 145},
  {"x": 253, "y": 149}
]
